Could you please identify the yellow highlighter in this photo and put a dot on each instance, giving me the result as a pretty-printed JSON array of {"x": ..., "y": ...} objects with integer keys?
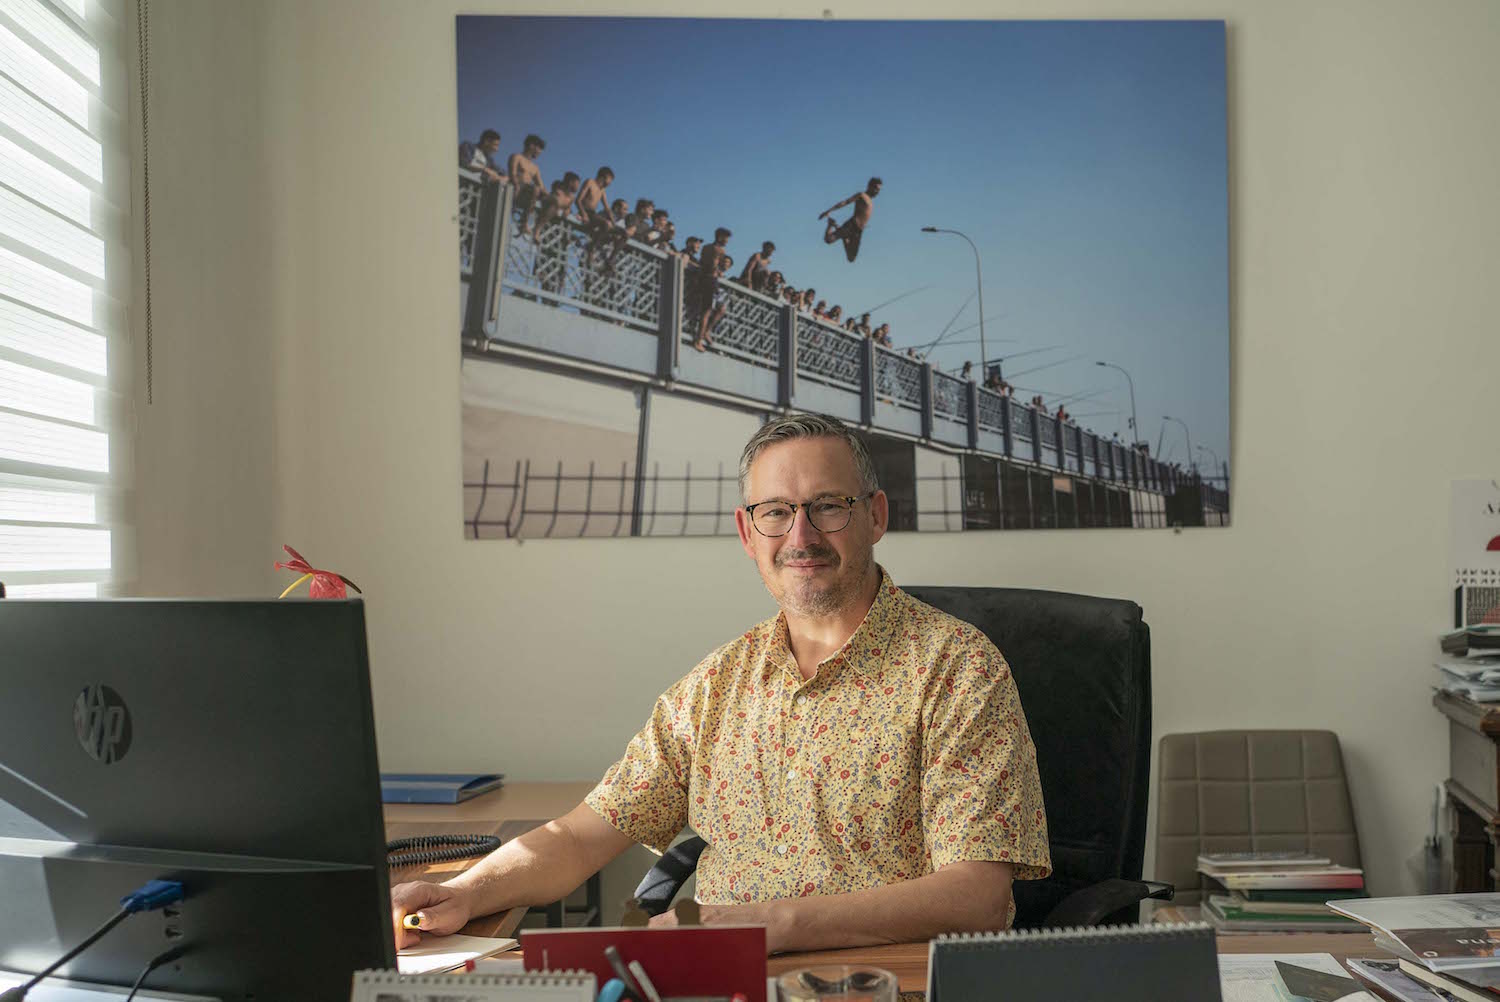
[{"x": 412, "y": 921}]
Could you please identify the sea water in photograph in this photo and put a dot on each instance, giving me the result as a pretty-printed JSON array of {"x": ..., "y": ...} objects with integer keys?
[{"x": 999, "y": 249}]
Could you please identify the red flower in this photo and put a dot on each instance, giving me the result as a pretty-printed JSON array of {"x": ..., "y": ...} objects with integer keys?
[{"x": 325, "y": 584}]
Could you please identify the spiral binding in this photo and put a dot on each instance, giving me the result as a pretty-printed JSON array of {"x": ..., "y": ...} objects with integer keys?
[
  {"x": 1076, "y": 934},
  {"x": 531, "y": 979}
]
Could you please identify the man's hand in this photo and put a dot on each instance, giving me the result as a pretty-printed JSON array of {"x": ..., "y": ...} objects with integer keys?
[
  {"x": 443, "y": 910},
  {"x": 766, "y": 913}
]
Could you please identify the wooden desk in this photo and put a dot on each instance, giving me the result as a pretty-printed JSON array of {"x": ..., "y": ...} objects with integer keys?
[
  {"x": 512, "y": 810},
  {"x": 908, "y": 961}
]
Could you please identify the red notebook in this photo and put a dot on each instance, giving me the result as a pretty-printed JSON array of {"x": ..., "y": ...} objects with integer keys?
[{"x": 686, "y": 960}]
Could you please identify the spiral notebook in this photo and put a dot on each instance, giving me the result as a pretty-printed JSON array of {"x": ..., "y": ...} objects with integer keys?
[
  {"x": 549, "y": 986},
  {"x": 1127, "y": 963}
]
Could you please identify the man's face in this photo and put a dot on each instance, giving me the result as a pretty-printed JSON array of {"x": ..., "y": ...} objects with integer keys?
[
  {"x": 490, "y": 145},
  {"x": 874, "y": 190},
  {"x": 533, "y": 151},
  {"x": 808, "y": 572}
]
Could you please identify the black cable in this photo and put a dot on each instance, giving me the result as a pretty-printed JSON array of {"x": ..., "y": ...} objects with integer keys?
[
  {"x": 151, "y": 895},
  {"x": 18, "y": 993},
  {"x": 156, "y": 962},
  {"x": 425, "y": 850}
]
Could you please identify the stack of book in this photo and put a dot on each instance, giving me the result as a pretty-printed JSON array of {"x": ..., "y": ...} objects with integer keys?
[
  {"x": 1278, "y": 892},
  {"x": 1478, "y": 640},
  {"x": 1448, "y": 942}
]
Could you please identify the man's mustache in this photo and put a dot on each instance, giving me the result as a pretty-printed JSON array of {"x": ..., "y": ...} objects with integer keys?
[{"x": 811, "y": 553}]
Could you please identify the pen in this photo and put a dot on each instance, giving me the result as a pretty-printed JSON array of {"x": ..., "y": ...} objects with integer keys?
[
  {"x": 618, "y": 963},
  {"x": 412, "y": 921},
  {"x": 645, "y": 982}
]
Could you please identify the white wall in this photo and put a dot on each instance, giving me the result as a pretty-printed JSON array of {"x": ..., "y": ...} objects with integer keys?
[{"x": 1366, "y": 239}]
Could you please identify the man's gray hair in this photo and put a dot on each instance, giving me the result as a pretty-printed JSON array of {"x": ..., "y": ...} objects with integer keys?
[{"x": 784, "y": 429}]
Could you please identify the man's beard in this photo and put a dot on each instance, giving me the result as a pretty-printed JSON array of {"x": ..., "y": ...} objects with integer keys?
[{"x": 806, "y": 598}]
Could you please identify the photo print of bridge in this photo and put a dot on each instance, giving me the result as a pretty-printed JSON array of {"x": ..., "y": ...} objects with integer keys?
[{"x": 997, "y": 248}]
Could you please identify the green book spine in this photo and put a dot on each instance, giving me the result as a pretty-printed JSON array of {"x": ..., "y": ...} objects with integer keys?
[
  {"x": 1276, "y": 918},
  {"x": 1303, "y": 896}
]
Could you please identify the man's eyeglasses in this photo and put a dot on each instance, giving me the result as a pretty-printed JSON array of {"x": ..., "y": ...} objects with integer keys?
[{"x": 826, "y": 514}]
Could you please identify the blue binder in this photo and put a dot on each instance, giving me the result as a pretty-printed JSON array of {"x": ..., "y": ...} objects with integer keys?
[{"x": 435, "y": 788}]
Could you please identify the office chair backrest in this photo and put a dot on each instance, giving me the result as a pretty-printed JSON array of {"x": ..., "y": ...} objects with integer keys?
[
  {"x": 1236, "y": 791},
  {"x": 1082, "y": 666}
]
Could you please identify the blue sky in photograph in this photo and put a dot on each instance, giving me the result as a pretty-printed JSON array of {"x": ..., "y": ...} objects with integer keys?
[{"x": 1086, "y": 160}]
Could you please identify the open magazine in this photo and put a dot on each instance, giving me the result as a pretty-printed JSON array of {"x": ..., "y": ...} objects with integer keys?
[{"x": 1446, "y": 933}]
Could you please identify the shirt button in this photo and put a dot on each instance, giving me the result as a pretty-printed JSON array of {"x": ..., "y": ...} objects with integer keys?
[
  {"x": 781, "y": 850},
  {"x": 791, "y": 774},
  {"x": 801, "y": 700}
]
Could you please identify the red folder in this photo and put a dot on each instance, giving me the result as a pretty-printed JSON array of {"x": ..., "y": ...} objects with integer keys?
[{"x": 686, "y": 960}]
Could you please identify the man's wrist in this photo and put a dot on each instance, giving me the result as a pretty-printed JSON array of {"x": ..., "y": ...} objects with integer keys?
[
  {"x": 780, "y": 916},
  {"x": 466, "y": 895}
]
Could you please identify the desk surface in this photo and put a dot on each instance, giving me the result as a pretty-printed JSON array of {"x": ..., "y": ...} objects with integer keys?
[
  {"x": 517, "y": 806},
  {"x": 509, "y": 811}
]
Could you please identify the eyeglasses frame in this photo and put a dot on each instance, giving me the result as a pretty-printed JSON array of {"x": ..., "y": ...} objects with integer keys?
[{"x": 795, "y": 506}]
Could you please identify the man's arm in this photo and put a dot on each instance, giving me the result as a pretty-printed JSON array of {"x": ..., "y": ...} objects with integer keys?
[
  {"x": 749, "y": 270},
  {"x": 967, "y": 896},
  {"x": 839, "y": 205},
  {"x": 544, "y": 865}
]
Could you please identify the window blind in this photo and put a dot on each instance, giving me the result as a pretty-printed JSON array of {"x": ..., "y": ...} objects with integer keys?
[{"x": 64, "y": 286}]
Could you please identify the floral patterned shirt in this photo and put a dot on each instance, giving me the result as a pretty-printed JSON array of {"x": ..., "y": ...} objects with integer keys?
[{"x": 906, "y": 751}]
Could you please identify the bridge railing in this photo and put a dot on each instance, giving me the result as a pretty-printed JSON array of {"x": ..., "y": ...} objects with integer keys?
[{"x": 625, "y": 284}]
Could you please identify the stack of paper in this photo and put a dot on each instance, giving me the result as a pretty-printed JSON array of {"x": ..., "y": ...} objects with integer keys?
[{"x": 1475, "y": 677}]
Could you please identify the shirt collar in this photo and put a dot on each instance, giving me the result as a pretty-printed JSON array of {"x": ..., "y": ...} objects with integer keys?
[{"x": 866, "y": 645}]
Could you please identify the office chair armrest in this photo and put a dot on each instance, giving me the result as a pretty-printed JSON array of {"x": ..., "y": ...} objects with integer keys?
[
  {"x": 665, "y": 879},
  {"x": 1095, "y": 903}
]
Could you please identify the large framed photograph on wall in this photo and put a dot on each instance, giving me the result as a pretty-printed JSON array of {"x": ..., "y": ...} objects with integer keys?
[{"x": 997, "y": 248}]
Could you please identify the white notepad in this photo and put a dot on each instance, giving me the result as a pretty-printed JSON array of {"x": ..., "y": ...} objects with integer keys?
[
  {"x": 536, "y": 986},
  {"x": 445, "y": 953}
]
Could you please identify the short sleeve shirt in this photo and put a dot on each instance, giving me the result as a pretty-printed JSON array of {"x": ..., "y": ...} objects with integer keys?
[{"x": 906, "y": 751}]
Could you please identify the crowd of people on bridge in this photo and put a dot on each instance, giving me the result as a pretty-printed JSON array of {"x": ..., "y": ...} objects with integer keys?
[{"x": 613, "y": 223}]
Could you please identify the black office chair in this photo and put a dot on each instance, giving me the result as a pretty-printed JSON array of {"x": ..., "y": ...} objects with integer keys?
[{"x": 1082, "y": 666}]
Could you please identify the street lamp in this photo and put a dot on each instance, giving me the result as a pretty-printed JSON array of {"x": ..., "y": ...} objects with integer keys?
[
  {"x": 984, "y": 368},
  {"x": 1218, "y": 466},
  {"x": 1191, "y": 461},
  {"x": 1135, "y": 431}
]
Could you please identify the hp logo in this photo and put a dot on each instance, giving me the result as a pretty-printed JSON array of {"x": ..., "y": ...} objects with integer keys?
[{"x": 102, "y": 723}]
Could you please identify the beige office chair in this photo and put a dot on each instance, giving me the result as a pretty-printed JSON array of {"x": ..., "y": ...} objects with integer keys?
[{"x": 1227, "y": 791}]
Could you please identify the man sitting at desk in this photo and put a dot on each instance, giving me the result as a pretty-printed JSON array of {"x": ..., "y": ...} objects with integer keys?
[{"x": 859, "y": 765}]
